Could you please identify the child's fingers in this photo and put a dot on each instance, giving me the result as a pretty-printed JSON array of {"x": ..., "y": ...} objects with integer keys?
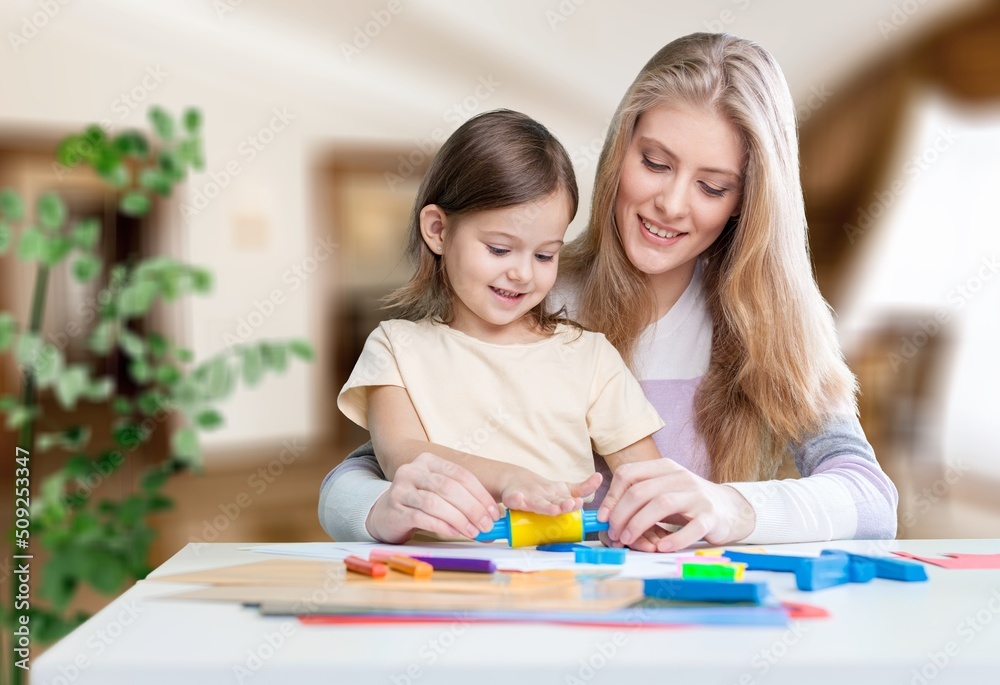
[{"x": 585, "y": 488}]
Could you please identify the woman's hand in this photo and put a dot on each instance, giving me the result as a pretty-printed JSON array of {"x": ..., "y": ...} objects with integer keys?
[
  {"x": 645, "y": 493},
  {"x": 527, "y": 491},
  {"x": 434, "y": 495}
]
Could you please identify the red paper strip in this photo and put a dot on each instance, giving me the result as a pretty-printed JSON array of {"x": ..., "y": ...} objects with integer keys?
[{"x": 957, "y": 560}]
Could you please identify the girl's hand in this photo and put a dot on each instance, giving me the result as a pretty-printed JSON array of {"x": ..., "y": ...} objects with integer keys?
[
  {"x": 527, "y": 491},
  {"x": 435, "y": 495},
  {"x": 644, "y": 493}
]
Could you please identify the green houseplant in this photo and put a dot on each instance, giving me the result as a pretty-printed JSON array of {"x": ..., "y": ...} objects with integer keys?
[{"x": 89, "y": 540}]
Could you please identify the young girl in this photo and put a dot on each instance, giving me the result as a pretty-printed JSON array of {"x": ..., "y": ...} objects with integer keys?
[{"x": 476, "y": 370}]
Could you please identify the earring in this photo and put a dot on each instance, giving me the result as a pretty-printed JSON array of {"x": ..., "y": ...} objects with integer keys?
[{"x": 438, "y": 248}]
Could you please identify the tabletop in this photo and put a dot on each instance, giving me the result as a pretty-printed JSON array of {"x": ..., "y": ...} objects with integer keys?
[{"x": 943, "y": 631}]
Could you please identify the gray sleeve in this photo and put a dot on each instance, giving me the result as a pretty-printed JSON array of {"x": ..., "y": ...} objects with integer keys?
[
  {"x": 843, "y": 492},
  {"x": 348, "y": 494}
]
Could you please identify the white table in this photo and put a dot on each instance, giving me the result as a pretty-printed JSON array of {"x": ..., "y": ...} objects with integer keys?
[{"x": 943, "y": 631}]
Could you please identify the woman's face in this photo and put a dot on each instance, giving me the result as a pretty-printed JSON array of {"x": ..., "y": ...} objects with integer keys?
[{"x": 680, "y": 183}]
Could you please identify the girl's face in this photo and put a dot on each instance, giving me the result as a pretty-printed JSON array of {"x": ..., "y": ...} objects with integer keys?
[
  {"x": 679, "y": 185},
  {"x": 501, "y": 263}
]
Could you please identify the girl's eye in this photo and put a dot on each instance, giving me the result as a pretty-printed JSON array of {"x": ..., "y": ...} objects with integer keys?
[
  {"x": 650, "y": 164},
  {"x": 714, "y": 192},
  {"x": 544, "y": 257},
  {"x": 498, "y": 251}
]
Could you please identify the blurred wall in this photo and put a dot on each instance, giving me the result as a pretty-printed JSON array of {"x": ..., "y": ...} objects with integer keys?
[{"x": 285, "y": 85}]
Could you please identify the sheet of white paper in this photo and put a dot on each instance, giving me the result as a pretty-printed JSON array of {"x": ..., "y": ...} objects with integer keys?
[{"x": 637, "y": 564}]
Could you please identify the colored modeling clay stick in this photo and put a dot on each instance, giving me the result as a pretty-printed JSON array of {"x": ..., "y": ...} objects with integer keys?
[
  {"x": 459, "y": 564},
  {"x": 705, "y": 590},
  {"x": 374, "y": 569},
  {"x": 890, "y": 569},
  {"x": 527, "y": 529},
  {"x": 404, "y": 564}
]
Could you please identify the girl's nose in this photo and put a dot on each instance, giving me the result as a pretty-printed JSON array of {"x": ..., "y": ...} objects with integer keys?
[{"x": 520, "y": 270}]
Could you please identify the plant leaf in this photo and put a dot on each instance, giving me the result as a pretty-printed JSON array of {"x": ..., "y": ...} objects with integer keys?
[
  {"x": 253, "y": 365},
  {"x": 28, "y": 350},
  {"x": 100, "y": 390},
  {"x": 132, "y": 143},
  {"x": 32, "y": 245},
  {"x": 162, "y": 122},
  {"x": 192, "y": 120},
  {"x": 209, "y": 419},
  {"x": 135, "y": 203},
  {"x": 131, "y": 344},
  {"x": 5, "y": 236},
  {"x": 10, "y": 205},
  {"x": 85, "y": 233},
  {"x": 86, "y": 267},
  {"x": 301, "y": 349},
  {"x": 136, "y": 298},
  {"x": 56, "y": 249},
  {"x": 185, "y": 446},
  {"x": 51, "y": 211},
  {"x": 157, "y": 344},
  {"x": 8, "y": 327},
  {"x": 101, "y": 339},
  {"x": 71, "y": 384}
]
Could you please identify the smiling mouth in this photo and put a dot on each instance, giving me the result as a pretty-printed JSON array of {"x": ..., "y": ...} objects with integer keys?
[
  {"x": 507, "y": 294},
  {"x": 659, "y": 231}
]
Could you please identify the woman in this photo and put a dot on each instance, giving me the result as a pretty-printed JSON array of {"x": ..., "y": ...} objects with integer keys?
[{"x": 695, "y": 266}]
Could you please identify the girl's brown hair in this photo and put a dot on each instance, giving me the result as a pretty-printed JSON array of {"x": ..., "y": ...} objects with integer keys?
[
  {"x": 776, "y": 368},
  {"x": 494, "y": 160}
]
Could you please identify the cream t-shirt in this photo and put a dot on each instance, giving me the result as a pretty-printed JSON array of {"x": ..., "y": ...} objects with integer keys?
[{"x": 544, "y": 405}]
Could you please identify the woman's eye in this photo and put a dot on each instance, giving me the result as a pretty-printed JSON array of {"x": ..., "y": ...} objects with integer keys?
[
  {"x": 498, "y": 251},
  {"x": 714, "y": 192},
  {"x": 544, "y": 257},
  {"x": 650, "y": 164}
]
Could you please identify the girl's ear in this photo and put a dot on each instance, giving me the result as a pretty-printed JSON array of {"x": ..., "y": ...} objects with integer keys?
[{"x": 433, "y": 224}]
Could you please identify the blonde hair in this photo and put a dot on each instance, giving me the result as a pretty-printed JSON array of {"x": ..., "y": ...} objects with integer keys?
[
  {"x": 776, "y": 367},
  {"x": 494, "y": 160}
]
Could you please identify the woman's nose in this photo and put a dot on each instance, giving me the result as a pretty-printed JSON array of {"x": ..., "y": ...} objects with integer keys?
[{"x": 672, "y": 199}]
